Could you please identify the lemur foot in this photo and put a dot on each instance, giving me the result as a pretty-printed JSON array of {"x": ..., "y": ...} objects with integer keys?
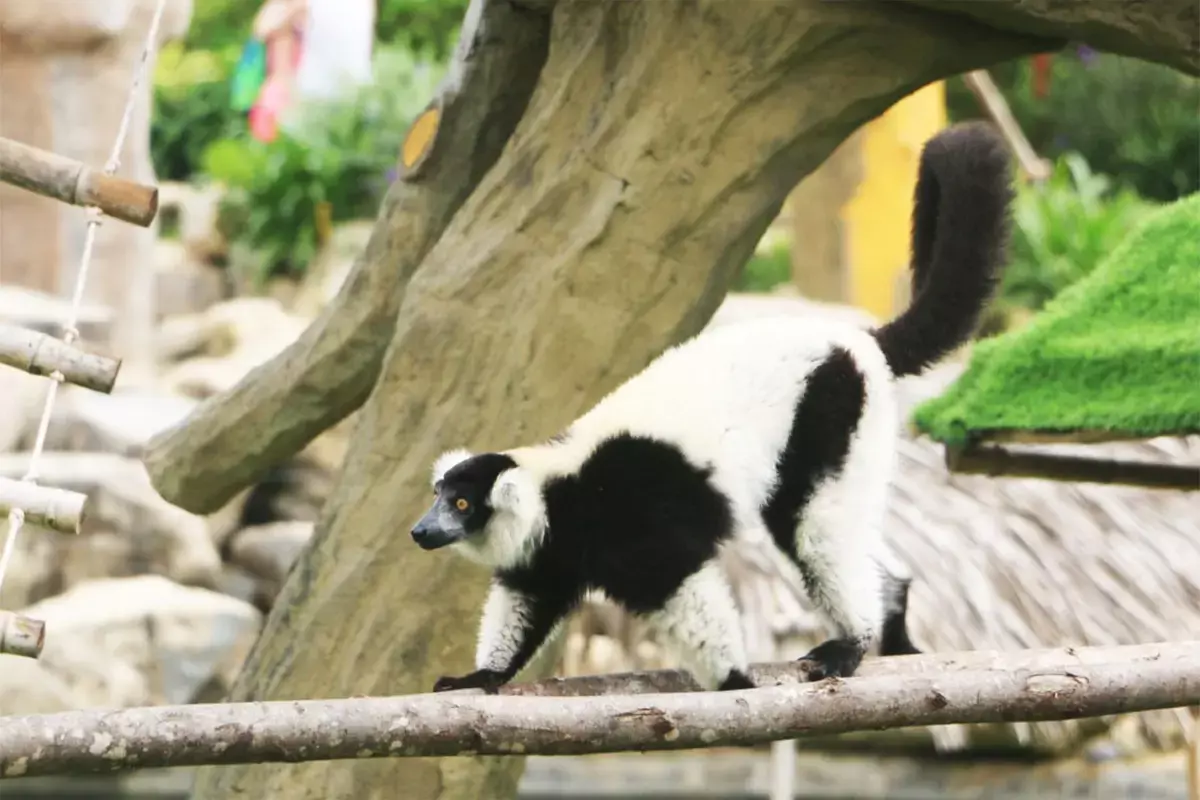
[
  {"x": 486, "y": 679},
  {"x": 736, "y": 679},
  {"x": 835, "y": 658}
]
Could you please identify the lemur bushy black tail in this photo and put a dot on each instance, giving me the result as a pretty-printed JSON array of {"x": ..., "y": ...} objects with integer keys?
[{"x": 960, "y": 225}]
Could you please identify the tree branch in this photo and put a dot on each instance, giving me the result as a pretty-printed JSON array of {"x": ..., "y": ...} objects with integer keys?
[
  {"x": 889, "y": 693},
  {"x": 233, "y": 439},
  {"x": 1164, "y": 31}
]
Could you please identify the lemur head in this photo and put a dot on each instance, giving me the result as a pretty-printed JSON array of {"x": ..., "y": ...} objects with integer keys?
[{"x": 486, "y": 505}]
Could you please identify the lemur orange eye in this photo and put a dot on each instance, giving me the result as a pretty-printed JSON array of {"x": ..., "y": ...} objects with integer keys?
[{"x": 461, "y": 504}]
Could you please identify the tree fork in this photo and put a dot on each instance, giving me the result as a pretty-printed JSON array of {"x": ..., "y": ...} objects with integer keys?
[
  {"x": 909, "y": 690},
  {"x": 280, "y": 406}
]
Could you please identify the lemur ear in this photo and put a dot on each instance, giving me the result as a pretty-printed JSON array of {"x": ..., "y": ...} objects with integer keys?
[
  {"x": 447, "y": 461},
  {"x": 509, "y": 489}
]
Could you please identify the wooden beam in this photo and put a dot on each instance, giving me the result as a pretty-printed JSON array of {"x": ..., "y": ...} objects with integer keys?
[
  {"x": 1074, "y": 683},
  {"x": 40, "y": 354},
  {"x": 21, "y": 636},
  {"x": 980, "y": 83},
  {"x": 998, "y": 461},
  {"x": 71, "y": 181},
  {"x": 57, "y": 509}
]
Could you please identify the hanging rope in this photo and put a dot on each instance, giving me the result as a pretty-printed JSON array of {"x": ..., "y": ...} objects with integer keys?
[{"x": 16, "y": 517}]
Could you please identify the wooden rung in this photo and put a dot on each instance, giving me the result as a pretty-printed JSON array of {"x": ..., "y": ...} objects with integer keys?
[
  {"x": 21, "y": 636},
  {"x": 39, "y": 354},
  {"x": 58, "y": 509},
  {"x": 71, "y": 181}
]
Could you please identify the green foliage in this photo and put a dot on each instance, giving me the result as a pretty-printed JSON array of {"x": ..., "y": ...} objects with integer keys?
[
  {"x": 340, "y": 153},
  {"x": 1133, "y": 120},
  {"x": 1063, "y": 229},
  {"x": 191, "y": 108},
  {"x": 770, "y": 265},
  {"x": 424, "y": 27},
  {"x": 192, "y": 92},
  {"x": 1119, "y": 351}
]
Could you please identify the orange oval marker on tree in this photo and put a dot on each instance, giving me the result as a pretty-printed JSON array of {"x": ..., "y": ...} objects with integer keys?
[{"x": 419, "y": 141}]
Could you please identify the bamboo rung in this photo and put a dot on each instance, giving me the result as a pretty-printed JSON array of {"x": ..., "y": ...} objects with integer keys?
[
  {"x": 39, "y": 354},
  {"x": 71, "y": 181},
  {"x": 58, "y": 509},
  {"x": 21, "y": 636}
]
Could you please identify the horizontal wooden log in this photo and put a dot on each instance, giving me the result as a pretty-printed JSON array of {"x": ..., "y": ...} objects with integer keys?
[
  {"x": 997, "y": 461},
  {"x": 1103, "y": 681},
  {"x": 71, "y": 181},
  {"x": 57, "y": 509},
  {"x": 21, "y": 636},
  {"x": 40, "y": 354}
]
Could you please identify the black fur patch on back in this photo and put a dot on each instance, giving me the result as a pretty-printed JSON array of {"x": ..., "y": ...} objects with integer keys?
[
  {"x": 635, "y": 521},
  {"x": 826, "y": 417},
  {"x": 474, "y": 479}
]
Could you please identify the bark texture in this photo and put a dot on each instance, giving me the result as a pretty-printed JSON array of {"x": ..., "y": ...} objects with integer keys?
[
  {"x": 659, "y": 143},
  {"x": 1164, "y": 31},
  {"x": 278, "y": 408},
  {"x": 1118, "y": 680}
]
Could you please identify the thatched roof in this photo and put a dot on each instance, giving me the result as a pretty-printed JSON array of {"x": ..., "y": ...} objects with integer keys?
[
  {"x": 999, "y": 563},
  {"x": 1117, "y": 354}
]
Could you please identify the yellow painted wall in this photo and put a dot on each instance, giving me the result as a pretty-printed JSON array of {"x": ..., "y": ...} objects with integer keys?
[{"x": 876, "y": 220}]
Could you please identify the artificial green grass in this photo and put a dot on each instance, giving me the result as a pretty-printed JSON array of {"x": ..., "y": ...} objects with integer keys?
[{"x": 1118, "y": 352}]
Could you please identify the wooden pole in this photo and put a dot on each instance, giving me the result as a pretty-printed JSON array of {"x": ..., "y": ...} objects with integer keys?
[
  {"x": 998, "y": 461},
  {"x": 980, "y": 83},
  {"x": 57, "y": 509},
  {"x": 40, "y": 354},
  {"x": 21, "y": 636},
  {"x": 70, "y": 181},
  {"x": 1067, "y": 684}
]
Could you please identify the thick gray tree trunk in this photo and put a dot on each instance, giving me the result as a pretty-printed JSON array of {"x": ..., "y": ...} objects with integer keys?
[{"x": 660, "y": 140}]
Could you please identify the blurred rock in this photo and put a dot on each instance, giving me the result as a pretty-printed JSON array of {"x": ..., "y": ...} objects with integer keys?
[
  {"x": 45, "y": 312},
  {"x": 21, "y": 398},
  {"x": 196, "y": 209},
  {"x": 268, "y": 551},
  {"x": 234, "y": 336},
  {"x": 328, "y": 271},
  {"x": 120, "y": 422},
  {"x": 144, "y": 640},
  {"x": 182, "y": 284},
  {"x": 28, "y": 687},
  {"x": 128, "y": 529}
]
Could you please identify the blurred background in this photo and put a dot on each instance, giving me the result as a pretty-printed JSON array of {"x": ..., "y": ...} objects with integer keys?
[{"x": 274, "y": 131}]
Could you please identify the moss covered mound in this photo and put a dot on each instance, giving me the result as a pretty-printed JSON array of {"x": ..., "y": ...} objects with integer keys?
[{"x": 1117, "y": 353}]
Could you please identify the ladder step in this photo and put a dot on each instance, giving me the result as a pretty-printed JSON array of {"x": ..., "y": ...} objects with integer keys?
[
  {"x": 71, "y": 181},
  {"x": 57, "y": 509},
  {"x": 21, "y": 636},
  {"x": 40, "y": 354}
]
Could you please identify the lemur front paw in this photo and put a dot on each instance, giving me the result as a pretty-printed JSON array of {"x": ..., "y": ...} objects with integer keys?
[
  {"x": 485, "y": 679},
  {"x": 836, "y": 658}
]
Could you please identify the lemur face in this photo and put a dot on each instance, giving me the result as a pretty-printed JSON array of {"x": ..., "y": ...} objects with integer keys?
[{"x": 462, "y": 507}]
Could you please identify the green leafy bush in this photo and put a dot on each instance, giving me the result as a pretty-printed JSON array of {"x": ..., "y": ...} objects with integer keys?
[
  {"x": 191, "y": 108},
  {"x": 343, "y": 153},
  {"x": 1132, "y": 120},
  {"x": 769, "y": 266},
  {"x": 1063, "y": 229}
]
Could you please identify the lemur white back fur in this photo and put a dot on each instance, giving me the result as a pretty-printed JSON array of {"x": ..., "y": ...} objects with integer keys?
[{"x": 726, "y": 399}]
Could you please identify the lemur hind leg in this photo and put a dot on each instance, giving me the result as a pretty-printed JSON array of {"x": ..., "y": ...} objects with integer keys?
[
  {"x": 844, "y": 582},
  {"x": 894, "y": 639},
  {"x": 703, "y": 619}
]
